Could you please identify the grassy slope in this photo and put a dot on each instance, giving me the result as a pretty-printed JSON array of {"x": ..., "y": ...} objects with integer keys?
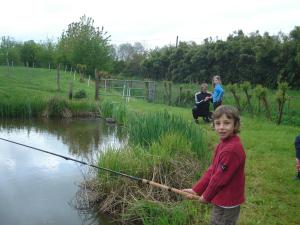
[
  {"x": 272, "y": 195},
  {"x": 27, "y": 83}
]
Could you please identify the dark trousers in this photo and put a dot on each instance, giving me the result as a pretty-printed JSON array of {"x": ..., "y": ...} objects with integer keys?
[
  {"x": 205, "y": 114},
  {"x": 224, "y": 216},
  {"x": 217, "y": 104}
]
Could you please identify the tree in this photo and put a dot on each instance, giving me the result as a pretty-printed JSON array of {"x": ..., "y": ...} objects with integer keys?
[
  {"x": 82, "y": 43},
  {"x": 29, "y": 53},
  {"x": 125, "y": 51},
  {"x": 9, "y": 51},
  {"x": 47, "y": 54},
  {"x": 281, "y": 99},
  {"x": 246, "y": 87}
]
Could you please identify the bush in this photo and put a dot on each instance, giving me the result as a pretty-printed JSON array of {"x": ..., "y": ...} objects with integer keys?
[
  {"x": 57, "y": 107},
  {"x": 80, "y": 94}
]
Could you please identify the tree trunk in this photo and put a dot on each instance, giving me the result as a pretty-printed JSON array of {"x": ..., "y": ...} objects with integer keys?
[
  {"x": 70, "y": 90},
  {"x": 58, "y": 77},
  {"x": 237, "y": 101},
  {"x": 259, "y": 108},
  {"x": 180, "y": 94},
  {"x": 146, "y": 91},
  {"x": 280, "y": 111},
  {"x": 165, "y": 92},
  {"x": 249, "y": 103},
  {"x": 170, "y": 93},
  {"x": 268, "y": 113},
  {"x": 7, "y": 64}
]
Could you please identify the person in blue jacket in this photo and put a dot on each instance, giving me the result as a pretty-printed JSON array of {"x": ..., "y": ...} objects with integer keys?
[{"x": 218, "y": 92}]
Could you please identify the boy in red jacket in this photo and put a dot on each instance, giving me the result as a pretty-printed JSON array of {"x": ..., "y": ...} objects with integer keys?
[{"x": 223, "y": 184}]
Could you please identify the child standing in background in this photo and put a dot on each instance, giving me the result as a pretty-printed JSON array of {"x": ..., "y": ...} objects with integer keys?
[
  {"x": 223, "y": 184},
  {"x": 218, "y": 92}
]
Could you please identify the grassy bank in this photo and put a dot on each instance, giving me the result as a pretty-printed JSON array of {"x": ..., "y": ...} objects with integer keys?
[
  {"x": 272, "y": 195},
  {"x": 27, "y": 92}
]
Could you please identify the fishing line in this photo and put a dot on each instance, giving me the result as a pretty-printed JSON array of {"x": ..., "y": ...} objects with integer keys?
[{"x": 142, "y": 180}]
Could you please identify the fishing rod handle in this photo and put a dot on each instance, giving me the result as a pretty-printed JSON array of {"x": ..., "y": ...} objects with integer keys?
[{"x": 175, "y": 190}]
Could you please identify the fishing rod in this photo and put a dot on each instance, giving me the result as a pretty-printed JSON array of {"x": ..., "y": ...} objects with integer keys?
[{"x": 142, "y": 180}]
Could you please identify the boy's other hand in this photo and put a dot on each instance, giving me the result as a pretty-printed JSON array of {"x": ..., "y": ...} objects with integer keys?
[{"x": 190, "y": 191}]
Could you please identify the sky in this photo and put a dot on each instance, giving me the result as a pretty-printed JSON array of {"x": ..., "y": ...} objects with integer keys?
[{"x": 152, "y": 23}]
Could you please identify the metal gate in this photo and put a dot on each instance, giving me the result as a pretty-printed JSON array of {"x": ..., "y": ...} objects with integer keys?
[{"x": 128, "y": 88}]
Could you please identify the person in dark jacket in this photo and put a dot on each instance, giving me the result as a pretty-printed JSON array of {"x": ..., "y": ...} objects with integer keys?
[
  {"x": 297, "y": 148},
  {"x": 202, "y": 102}
]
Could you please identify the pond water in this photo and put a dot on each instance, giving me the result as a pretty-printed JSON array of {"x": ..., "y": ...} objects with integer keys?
[{"x": 38, "y": 188}]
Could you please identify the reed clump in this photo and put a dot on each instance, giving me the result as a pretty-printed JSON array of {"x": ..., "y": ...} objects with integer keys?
[
  {"x": 57, "y": 108},
  {"x": 21, "y": 108},
  {"x": 117, "y": 111},
  {"x": 147, "y": 128},
  {"x": 106, "y": 109},
  {"x": 121, "y": 197}
]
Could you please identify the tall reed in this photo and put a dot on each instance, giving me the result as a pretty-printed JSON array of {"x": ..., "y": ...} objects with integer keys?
[
  {"x": 106, "y": 109},
  {"x": 118, "y": 111},
  {"x": 15, "y": 107},
  {"x": 148, "y": 128}
]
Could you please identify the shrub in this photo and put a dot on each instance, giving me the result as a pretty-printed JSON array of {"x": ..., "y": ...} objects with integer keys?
[
  {"x": 80, "y": 94},
  {"x": 57, "y": 107}
]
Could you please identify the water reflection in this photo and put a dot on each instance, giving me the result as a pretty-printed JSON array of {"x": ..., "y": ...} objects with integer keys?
[
  {"x": 82, "y": 137},
  {"x": 37, "y": 188}
]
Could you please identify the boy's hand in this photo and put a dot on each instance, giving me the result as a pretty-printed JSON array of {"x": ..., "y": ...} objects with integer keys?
[
  {"x": 202, "y": 200},
  {"x": 206, "y": 98},
  {"x": 191, "y": 195},
  {"x": 190, "y": 191}
]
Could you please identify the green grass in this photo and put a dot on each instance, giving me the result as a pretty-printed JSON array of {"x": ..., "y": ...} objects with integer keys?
[
  {"x": 153, "y": 213},
  {"x": 26, "y": 92},
  {"x": 272, "y": 195},
  {"x": 148, "y": 128}
]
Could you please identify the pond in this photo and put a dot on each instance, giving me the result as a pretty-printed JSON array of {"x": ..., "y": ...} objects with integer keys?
[{"x": 38, "y": 188}]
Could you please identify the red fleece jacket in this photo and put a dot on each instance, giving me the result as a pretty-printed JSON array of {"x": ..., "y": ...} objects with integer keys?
[{"x": 223, "y": 183}]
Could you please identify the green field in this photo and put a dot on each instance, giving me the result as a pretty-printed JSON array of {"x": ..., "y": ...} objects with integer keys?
[{"x": 272, "y": 195}]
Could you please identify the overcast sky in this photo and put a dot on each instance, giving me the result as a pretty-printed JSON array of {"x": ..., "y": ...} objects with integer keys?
[{"x": 151, "y": 22}]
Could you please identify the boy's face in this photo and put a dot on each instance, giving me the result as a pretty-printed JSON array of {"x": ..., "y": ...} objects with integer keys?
[
  {"x": 204, "y": 89},
  {"x": 224, "y": 126}
]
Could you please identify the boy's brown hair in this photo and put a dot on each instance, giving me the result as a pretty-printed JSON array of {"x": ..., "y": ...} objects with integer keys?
[{"x": 231, "y": 112}]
